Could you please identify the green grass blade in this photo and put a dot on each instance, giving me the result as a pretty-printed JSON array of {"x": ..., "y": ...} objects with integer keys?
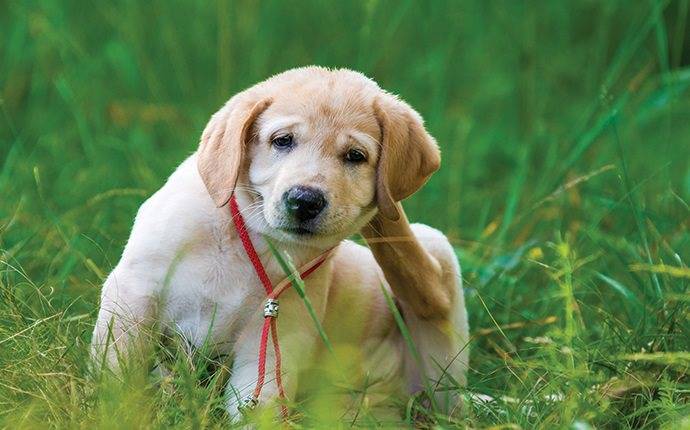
[{"x": 298, "y": 284}]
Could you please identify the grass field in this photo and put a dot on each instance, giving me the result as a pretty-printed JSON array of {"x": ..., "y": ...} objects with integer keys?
[{"x": 565, "y": 186}]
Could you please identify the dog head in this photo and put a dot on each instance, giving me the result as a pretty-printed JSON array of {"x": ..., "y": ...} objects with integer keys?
[{"x": 314, "y": 153}]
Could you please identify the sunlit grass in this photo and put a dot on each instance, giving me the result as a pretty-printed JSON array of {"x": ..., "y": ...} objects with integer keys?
[{"x": 565, "y": 132}]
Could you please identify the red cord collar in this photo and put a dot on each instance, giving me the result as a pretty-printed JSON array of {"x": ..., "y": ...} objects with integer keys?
[{"x": 270, "y": 309}]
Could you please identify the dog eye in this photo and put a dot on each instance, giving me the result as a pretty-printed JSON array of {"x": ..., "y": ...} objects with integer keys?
[
  {"x": 355, "y": 156},
  {"x": 282, "y": 142}
]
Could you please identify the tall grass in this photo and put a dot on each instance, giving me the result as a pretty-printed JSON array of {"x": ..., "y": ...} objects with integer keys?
[{"x": 565, "y": 131}]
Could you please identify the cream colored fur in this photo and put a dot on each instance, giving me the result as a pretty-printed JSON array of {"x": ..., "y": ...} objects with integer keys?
[{"x": 185, "y": 271}]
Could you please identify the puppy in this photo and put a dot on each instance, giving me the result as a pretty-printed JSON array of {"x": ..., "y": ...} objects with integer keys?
[{"x": 311, "y": 156}]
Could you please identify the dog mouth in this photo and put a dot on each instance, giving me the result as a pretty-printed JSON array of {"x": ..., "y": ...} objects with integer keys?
[
  {"x": 299, "y": 231},
  {"x": 312, "y": 229}
]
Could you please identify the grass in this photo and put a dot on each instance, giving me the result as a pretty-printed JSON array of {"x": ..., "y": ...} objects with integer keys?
[{"x": 565, "y": 130}]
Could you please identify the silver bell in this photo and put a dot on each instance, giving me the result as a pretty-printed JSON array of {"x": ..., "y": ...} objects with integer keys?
[
  {"x": 271, "y": 308},
  {"x": 247, "y": 404}
]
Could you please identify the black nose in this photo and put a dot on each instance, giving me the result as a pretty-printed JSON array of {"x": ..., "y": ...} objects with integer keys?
[{"x": 304, "y": 203}]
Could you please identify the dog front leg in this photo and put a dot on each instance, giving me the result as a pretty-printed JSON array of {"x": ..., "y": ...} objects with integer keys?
[
  {"x": 298, "y": 339},
  {"x": 121, "y": 337},
  {"x": 243, "y": 379}
]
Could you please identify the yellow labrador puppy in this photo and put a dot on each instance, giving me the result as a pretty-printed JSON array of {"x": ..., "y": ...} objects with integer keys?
[{"x": 311, "y": 156}]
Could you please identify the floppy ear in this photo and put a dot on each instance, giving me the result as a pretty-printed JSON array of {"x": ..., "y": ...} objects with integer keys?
[
  {"x": 409, "y": 154},
  {"x": 222, "y": 146}
]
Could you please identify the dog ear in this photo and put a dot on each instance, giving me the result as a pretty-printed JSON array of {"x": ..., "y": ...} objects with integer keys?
[
  {"x": 222, "y": 145},
  {"x": 408, "y": 157}
]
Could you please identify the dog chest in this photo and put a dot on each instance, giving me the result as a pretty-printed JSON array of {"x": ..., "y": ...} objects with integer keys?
[{"x": 211, "y": 302}]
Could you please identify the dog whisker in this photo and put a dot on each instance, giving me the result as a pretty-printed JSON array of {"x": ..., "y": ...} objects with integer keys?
[{"x": 249, "y": 189}]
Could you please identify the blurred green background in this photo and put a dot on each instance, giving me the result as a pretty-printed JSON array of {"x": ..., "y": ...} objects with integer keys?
[{"x": 565, "y": 132}]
